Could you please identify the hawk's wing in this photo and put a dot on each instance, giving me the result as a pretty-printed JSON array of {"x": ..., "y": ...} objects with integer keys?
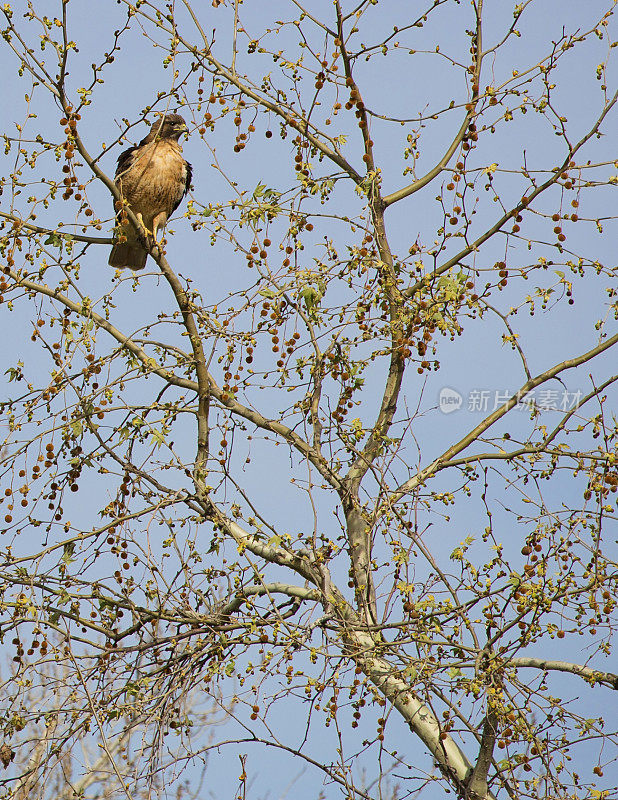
[
  {"x": 187, "y": 185},
  {"x": 125, "y": 159},
  {"x": 129, "y": 253}
]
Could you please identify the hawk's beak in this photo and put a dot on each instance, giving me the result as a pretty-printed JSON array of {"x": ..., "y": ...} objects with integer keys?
[{"x": 180, "y": 126}]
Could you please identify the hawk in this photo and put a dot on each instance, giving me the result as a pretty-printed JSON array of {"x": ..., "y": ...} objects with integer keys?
[{"x": 152, "y": 178}]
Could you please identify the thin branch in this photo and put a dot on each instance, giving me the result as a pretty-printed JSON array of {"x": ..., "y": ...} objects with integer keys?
[
  {"x": 49, "y": 231},
  {"x": 444, "y": 460},
  {"x": 592, "y": 676},
  {"x": 280, "y": 111},
  {"x": 475, "y": 245}
]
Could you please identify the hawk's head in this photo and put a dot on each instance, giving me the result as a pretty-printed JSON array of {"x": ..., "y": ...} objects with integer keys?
[{"x": 171, "y": 126}]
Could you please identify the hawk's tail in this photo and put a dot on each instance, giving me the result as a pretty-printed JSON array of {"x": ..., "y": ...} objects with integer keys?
[{"x": 129, "y": 255}]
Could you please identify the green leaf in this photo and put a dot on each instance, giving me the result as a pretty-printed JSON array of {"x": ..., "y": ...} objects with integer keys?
[
  {"x": 158, "y": 437},
  {"x": 312, "y": 296},
  {"x": 64, "y": 598},
  {"x": 124, "y": 433},
  {"x": 14, "y": 373},
  {"x": 67, "y": 552},
  {"x": 54, "y": 239}
]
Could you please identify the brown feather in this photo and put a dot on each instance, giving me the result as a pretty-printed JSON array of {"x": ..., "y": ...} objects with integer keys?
[
  {"x": 152, "y": 178},
  {"x": 128, "y": 255}
]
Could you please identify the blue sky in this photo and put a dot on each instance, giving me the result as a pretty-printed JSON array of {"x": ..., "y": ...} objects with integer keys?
[{"x": 403, "y": 85}]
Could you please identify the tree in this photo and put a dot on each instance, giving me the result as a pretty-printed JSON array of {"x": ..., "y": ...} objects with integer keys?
[{"x": 342, "y": 456}]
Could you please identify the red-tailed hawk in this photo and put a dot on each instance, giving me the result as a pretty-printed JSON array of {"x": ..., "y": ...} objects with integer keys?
[{"x": 152, "y": 177}]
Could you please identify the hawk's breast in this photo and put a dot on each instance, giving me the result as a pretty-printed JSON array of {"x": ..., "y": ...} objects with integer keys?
[{"x": 156, "y": 179}]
